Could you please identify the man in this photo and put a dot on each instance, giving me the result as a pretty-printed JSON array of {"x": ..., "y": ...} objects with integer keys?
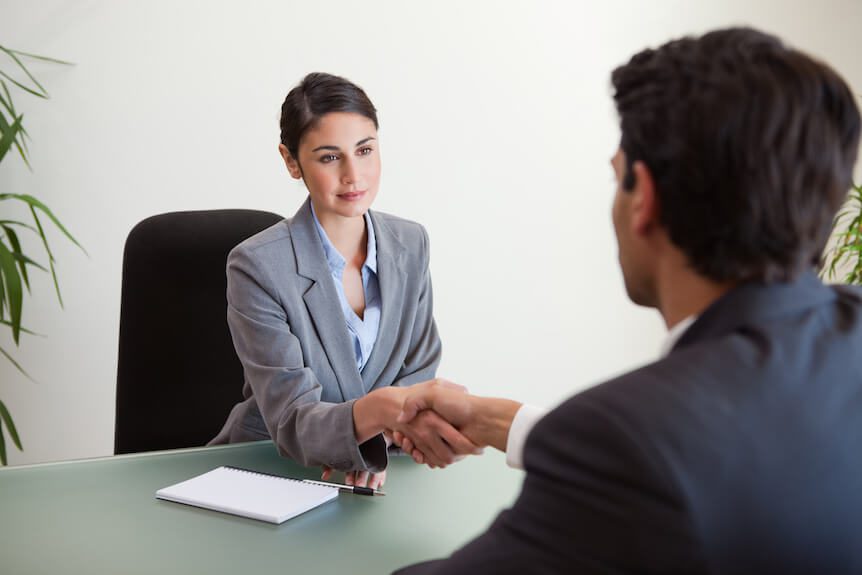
[{"x": 740, "y": 451}]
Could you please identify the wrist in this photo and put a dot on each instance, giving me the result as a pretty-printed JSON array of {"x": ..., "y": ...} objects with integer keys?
[
  {"x": 493, "y": 419},
  {"x": 376, "y": 412}
]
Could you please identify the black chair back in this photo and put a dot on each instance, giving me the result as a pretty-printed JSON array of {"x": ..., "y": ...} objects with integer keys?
[{"x": 178, "y": 374}]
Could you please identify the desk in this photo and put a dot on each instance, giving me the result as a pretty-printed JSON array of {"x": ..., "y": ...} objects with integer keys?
[{"x": 101, "y": 516}]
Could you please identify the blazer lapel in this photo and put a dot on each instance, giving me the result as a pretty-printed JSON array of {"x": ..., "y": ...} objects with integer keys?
[
  {"x": 391, "y": 276},
  {"x": 322, "y": 302},
  {"x": 754, "y": 303}
]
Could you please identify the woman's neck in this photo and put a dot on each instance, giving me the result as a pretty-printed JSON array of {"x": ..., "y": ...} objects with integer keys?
[{"x": 348, "y": 235}]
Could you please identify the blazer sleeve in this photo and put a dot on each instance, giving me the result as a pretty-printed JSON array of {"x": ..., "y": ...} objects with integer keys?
[
  {"x": 287, "y": 393},
  {"x": 593, "y": 501},
  {"x": 425, "y": 349}
]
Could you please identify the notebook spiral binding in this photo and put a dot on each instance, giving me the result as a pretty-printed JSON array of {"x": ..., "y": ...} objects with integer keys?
[{"x": 263, "y": 473}]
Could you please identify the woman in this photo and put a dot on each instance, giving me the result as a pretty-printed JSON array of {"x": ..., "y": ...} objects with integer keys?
[{"x": 331, "y": 310}]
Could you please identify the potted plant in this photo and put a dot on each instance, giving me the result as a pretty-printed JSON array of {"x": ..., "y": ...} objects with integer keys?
[
  {"x": 844, "y": 256},
  {"x": 15, "y": 263}
]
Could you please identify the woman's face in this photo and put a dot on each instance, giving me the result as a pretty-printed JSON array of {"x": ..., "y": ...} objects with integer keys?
[{"x": 339, "y": 162}]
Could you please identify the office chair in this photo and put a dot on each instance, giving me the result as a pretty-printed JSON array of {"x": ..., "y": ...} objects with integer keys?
[{"x": 178, "y": 374}]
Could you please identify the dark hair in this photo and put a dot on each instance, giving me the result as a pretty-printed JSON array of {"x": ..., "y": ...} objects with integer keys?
[
  {"x": 751, "y": 145},
  {"x": 316, "y": 95}
]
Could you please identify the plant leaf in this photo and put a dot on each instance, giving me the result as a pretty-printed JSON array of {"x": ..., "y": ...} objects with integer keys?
[
  {"x": 6, "y": 100},
  {"x": 17, "y": 137},
  {"x": 10, "y": 425},
  {"x": 34, "y": 203},
  {"x": 17, "y": 254},
  {"x": 23, "y": 330},
  {"x": 2, "y": 446},
  {"x": 17, "y": 223},
  {"x": 16, "y": 364},
  {"x": 9, "y": 136},
  {"x": 21, "y": 258},
  {"x": 14, "y": 113},
  {"x": 2, "y": 298},
  {"x": 14, "y": 293},
  {"x": 22, "y": 86},
  {"x": 21, "y": 65},
  {"x": 43, "y": 58},
  {"x": 50, "y": 255}
]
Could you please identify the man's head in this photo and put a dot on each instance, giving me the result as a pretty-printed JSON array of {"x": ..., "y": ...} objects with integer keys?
[{"x": 749, "y": 146}]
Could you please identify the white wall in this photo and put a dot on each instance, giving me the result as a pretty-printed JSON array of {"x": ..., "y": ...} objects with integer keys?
[{"x": 496, "y": 129}]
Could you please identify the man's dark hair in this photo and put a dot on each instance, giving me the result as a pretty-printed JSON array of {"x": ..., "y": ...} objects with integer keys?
[
  {"x": 316, "y": 95},
  {"x": 751, "y": 145}
]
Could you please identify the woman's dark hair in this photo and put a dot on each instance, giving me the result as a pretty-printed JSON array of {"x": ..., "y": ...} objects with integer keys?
[
  {"x": 316, "y": 95},
  {"x": 751, "y": 145}
]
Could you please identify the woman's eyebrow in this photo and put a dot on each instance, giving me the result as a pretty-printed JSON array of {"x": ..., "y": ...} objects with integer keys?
[
  {"x": 318, "y": 148},
  {"x": 365, "y": 141}
]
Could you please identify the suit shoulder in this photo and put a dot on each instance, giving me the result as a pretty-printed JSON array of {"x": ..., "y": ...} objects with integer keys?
[
  {"x": 263, "y": 240},
  {"x": 656, "y": 400},
  {"x": 407, "y": 231}
]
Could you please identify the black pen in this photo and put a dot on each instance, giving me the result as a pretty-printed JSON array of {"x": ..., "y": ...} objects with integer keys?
[{"x": 348, "y": 488}]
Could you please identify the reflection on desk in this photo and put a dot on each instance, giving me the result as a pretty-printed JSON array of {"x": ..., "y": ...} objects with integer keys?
[{"x": 101, "y": 516}]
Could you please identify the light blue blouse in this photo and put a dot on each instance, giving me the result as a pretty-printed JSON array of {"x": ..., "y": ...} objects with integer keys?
[{"x": 363, "y": 332}]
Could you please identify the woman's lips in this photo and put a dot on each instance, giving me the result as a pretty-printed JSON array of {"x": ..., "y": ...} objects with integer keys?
[{"x": 351, "y": 196}]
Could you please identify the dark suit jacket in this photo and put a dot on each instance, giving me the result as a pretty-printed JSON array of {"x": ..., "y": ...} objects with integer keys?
[{"x": 740, "y": 452}]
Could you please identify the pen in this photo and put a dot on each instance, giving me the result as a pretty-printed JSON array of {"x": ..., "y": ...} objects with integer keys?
[{"x": 349, "y": 488}]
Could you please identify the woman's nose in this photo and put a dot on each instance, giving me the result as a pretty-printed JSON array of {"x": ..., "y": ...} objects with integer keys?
[{"x": 350, "y": 174}]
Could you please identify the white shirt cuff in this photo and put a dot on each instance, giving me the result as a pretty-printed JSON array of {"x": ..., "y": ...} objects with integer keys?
[{"x": 526, "y": 417}]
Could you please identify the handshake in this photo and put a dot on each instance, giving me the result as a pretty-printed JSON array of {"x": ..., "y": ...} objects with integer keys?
[
  {"x": 440, "y": 423},
  {"x": 436, "y": 422}
]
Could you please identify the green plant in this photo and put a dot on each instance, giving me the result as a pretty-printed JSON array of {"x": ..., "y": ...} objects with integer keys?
[
  {"x": 844, "y": 256},
  {"x": 14, "y": 262}
]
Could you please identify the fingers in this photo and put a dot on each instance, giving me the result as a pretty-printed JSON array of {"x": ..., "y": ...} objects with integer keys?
[
  {"x": 460, "y": 444},
  {"x": 357, "y": 478},
  {"x": 431, "y": 439},
  {"x": 364, "y": 479},
  {"x": 327, "y": 473},
  {"x": 418, "y": 457},
  {"x": 422, "y": 395},
  {"x": 410, "y": 449},
  {"x": 415, "y": 402},
  {"x": 376, "y": 480},
  {"x": 426, "y": 434}
]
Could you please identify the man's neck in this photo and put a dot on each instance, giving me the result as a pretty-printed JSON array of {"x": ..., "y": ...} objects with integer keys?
[{"x": 683, "y": 293}]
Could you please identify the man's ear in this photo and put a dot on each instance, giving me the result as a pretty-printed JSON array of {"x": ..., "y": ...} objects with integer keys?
[
  {"x": 291, "y": 163},
  {"x": 645, "y": 206}
]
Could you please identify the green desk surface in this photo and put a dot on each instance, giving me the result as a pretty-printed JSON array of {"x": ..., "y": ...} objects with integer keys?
[{"x": 101, "y": 516}]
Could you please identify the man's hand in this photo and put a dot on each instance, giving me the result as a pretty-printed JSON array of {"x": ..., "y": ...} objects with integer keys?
[
  {"x": 432, "y": 439},
  {"x": 482, "y": 420},
  {"x": 448, "y": 399},
  {"x": 420, "y": 420}
]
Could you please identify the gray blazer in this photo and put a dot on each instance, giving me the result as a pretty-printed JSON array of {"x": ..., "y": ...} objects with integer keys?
[{"x": 289, "y": 332}]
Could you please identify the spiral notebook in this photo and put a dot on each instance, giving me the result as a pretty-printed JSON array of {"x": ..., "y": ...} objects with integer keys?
[{"x": 249, "y": 493}]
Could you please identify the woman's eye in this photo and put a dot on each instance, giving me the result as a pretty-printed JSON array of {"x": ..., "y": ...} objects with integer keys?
[
  {"x": 365, "y": 151},
  {"x": 328, "y": 158}
]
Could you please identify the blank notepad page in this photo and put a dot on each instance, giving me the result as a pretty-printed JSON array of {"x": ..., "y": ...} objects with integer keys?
[{"x": 249, "y": 494}]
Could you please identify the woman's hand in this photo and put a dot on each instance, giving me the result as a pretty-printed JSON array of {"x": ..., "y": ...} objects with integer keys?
[
  {"x": 428, "y": 437},
  {"x": 439, "y": 443},
  {"x": 358, "y": 478}
]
